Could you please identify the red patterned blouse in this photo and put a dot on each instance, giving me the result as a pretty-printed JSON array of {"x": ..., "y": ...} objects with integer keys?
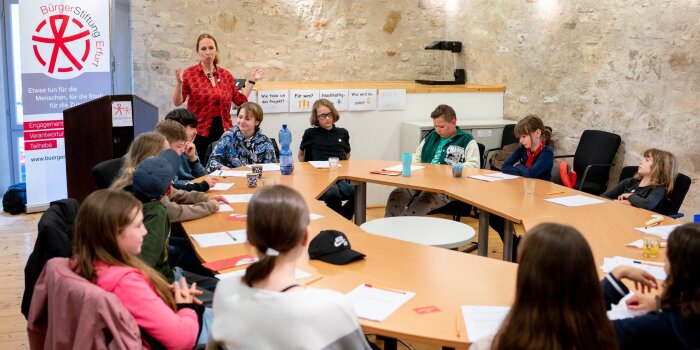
[{"x": 207, "y": 101}]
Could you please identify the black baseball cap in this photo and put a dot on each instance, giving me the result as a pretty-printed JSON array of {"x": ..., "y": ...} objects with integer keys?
[
  {"x": 333, "y": 247},
  {"x": 154, "y": 175}
]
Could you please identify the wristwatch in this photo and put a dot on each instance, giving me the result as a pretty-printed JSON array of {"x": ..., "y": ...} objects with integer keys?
[{"x": 251, "y": 82}]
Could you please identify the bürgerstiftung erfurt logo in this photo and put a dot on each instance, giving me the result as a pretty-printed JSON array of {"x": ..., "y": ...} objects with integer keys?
[{"x": 67, "y": 41}]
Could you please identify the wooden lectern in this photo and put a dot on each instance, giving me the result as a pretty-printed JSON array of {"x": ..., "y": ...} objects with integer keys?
[{"x": 94, "y": 134}]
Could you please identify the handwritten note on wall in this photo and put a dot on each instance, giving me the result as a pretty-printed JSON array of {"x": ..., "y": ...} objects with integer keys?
[
  {"x": 363, "y": 99},
  {"x": 274, "y": 101},
  {"x": 302, "y": 100},
  {"x": 392, "y": 100},
  {"x": 339, "y": 97}
]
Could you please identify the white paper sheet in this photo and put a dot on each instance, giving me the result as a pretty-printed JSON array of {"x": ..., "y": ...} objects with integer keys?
[
  {"x": 504, "y": 176},
  {"x": 400, "y": 168},
  {"x": 657, "y": 271},
  {"x": 268, "y": 166},
  {"x": 321, "y": 164},
  {"x": 225, "y": 173},
  {"x": 238, "y": 198},
  {"x": 662, "y": 231},
  {"x": 313, "y": 216},
  {"x": 223, "y": 207},
  {"x": 221, "y": 186},
  {"x": 620, "y": 311},
  {"x": 298, "y": 274},
  {"x": 482, "y": 321},
  {"x": 486, "y": 178},
  {"x": 575, "y": 201},
  {"x": 214, "y": 239},
  {"x": 376, "y": 304}
]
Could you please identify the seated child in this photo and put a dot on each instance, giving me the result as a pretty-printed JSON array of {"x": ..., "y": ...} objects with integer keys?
[
  {"x": 181, "y": 205},
  {"x": 267, "y": 308},
  {"x": 181, "y": 142},
  {"x": 319, "y": 143},
  {"x": 244, "y": 143},
  {"x": 652, "y": 183},
  {"x": 108, "y": 235}
]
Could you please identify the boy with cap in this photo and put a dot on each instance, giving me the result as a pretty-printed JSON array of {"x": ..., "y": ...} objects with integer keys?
[{"x": 152, "y": 180}]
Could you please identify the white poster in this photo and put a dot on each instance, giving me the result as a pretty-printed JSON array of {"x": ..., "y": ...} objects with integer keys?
[
  {"x": 392, "y": 100},
  {"x": 274, "y": 101},
  {"x": 302, "y": 100},
  {"x": 122, "y": 115},
  {"x": 363, "y": 99},
  {"x": 64, "y": 48},
  {"x": 339, "y": 97}
]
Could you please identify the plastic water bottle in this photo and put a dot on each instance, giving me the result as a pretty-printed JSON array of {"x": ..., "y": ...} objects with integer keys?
[{"x": 286, "y": 164}]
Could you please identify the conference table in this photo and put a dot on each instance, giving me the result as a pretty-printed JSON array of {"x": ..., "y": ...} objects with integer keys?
[{"x": 442, "y": 278}]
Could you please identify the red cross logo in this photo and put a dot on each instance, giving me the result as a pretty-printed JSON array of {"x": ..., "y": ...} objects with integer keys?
[{"x": 60, "y": 53}]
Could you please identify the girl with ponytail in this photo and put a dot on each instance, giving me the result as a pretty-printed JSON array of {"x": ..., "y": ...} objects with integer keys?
[{"x": 267, "y": 308}]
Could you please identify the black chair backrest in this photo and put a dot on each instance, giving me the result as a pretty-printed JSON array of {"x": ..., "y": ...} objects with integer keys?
[
  {"x": 277, "y": 149},
  {"x": 596, "y": 147},
  {"x": 106, "y": 172},
  {"x": 509, "y": 135},
  {"x": 208, "y": 153},
  {"x": 482, "y": 149},
  {"x": 54, "y": 239},
  {"x": 628, "y": 172},
  {"x": 673, "y": 203}
]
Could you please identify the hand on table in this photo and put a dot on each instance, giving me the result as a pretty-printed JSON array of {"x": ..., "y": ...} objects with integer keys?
[{"x": 643, "y": 281}]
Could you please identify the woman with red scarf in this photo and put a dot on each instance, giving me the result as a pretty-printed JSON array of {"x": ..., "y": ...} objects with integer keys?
[
  {"x": 209, "y": 91},
  {"x": 533, "y": 159}
]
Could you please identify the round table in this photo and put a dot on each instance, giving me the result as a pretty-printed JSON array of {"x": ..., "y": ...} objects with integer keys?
[{"x": 425, "y": 230}]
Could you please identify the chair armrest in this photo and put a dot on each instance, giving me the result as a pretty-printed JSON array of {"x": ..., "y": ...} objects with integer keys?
[
  {"x": 564, "y": 156},
  {"x": 676, "y": 215},
  {"x": 585, "y": 172}
]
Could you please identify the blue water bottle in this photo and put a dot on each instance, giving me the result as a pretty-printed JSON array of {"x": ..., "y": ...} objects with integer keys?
[
  {"x": 406, "y": 159},
  {"x": 286, "y": 164}
]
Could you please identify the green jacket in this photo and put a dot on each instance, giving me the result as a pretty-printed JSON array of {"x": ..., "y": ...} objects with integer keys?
[
  {"x": 452, "y": 152},
  {"x": 154, "y": 250}
]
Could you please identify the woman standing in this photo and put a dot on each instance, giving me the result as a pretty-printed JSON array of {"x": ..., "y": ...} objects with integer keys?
[{"x": 209, "y": 91}]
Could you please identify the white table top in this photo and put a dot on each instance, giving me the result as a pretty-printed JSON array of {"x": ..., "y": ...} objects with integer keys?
[{"x": 425, "y": 230}]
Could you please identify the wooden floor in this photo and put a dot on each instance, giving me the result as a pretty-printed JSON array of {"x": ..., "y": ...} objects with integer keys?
[{"x": 18, "y": 233}]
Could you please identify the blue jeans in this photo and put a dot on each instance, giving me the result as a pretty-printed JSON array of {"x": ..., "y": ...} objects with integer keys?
[{"x": 336, "y": 194}]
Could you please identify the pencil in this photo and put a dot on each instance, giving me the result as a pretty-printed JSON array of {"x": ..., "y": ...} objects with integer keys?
[
  {"x": 650, "y": 263},
  {"x": 386, "y": 288},
  {"x": 551, "y": 193},
  {"x": 313, "y": 280},
  {"x": 232, "y": 236}
]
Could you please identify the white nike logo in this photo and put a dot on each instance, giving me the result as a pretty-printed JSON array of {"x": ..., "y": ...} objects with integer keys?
[{"x": 340, "y": 240}]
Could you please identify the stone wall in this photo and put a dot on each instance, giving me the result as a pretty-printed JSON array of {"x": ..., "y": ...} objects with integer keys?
[{"x": 628, "y": 67}]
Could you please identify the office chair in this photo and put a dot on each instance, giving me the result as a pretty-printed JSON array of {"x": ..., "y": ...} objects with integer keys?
[
  {"x": 672, "y": 203},
  {"x": 210, "y": 150},
  {"x": 106, "y": 172},
  {"x": 593, "y": 158},
  {"x": 277, "y": 149},
  {"x": 508, "y": 137}
]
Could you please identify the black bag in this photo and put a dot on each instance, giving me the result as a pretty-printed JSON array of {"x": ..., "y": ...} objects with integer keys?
[{"x": 15, "y": 199}]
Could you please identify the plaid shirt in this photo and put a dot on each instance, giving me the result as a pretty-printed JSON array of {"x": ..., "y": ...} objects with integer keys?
[{"x": 202, "y": 98}]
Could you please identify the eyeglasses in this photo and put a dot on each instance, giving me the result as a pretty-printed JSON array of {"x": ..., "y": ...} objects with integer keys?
[{"x": 325, "y": 116}]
